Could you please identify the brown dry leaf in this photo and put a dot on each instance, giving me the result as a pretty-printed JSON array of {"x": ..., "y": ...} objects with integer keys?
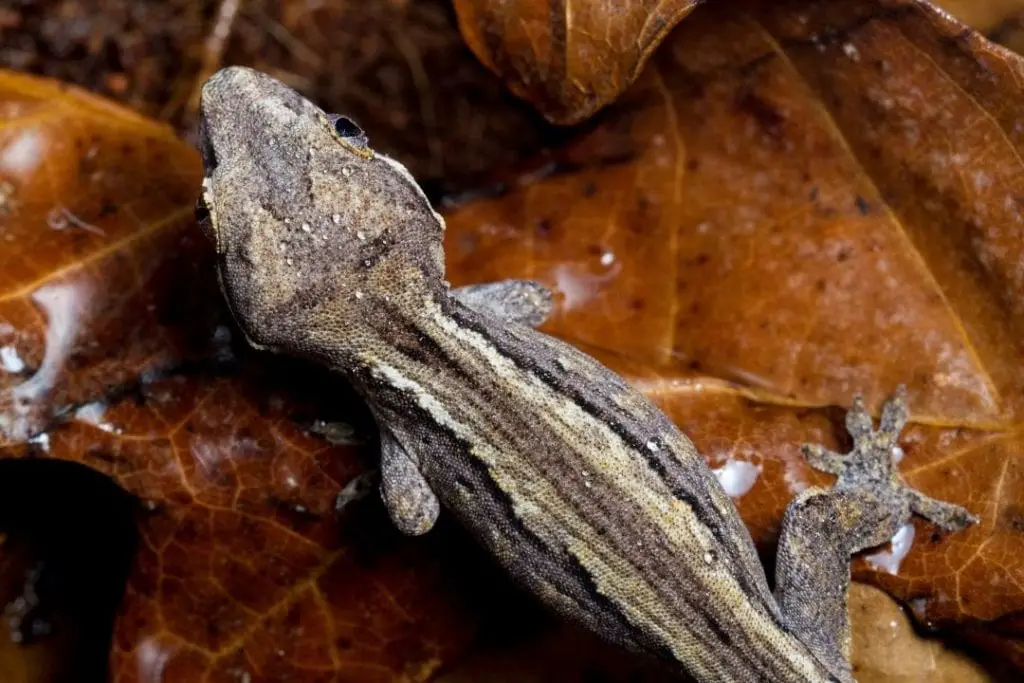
[
  {"x": 570, "y": 59},
  {"x": 567, "y": 58},
  {"x": 115, "y": 354},
  {"x": 983, "y": 15},
  {"x": 886, "y": 649},
  {"x": 799, "y": 201},
  {"x": 674, "y": 230}
]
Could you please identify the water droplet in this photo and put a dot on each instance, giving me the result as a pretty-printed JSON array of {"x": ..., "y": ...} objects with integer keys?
[
  {"x": 92, "y": 414},
  {"x": 889, "y": 560},
  {"x": 10, "y": 361},
  {"x": 737, "y": 477},
  {"x": 41, "y": 440}
]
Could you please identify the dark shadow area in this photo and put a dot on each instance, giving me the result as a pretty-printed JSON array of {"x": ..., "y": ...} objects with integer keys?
[{"x": 67, "y": 538}]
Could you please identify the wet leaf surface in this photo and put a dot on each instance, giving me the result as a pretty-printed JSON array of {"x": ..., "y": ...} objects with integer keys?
[
  {"x": 887, "y": 649},
  {"x": 115, "y": 353},
  {"x": 795, "y": 203}
]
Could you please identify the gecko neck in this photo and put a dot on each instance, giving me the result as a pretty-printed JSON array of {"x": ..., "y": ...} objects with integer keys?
[{"x": 386, "y": 330}]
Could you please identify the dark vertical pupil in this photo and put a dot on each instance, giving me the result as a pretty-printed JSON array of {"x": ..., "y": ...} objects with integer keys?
[{"x": 347, "y": 128}]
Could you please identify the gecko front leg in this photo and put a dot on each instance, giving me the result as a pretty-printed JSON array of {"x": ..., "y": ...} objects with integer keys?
[
  {"x": 410, "y": 501},
  {"x": 821, "y": 529},
  {"x": 520, "y": 301}
]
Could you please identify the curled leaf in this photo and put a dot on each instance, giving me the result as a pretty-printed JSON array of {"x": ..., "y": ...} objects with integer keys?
[
  {"x": 795, "y": 203},
  {"x": 569, "y": 58}
]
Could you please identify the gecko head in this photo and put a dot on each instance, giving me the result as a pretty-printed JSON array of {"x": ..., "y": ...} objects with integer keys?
[{"x": 311, "y": 226}]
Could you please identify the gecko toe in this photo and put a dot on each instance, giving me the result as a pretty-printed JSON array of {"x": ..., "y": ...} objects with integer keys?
[
  {"x": 894, "y": 414},
  {"x": 822, "y": 459},
  {"x": 858, "y": 420},
  {"x": 947, "y": 516}
]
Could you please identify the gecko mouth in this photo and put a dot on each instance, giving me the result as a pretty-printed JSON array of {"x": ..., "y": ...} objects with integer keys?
[
  {"x": 206, "y": 150},
  {"x": 204, "y": 203},
  {"x": 205, "y": 213},
  {"x": 204, "y": 220}
]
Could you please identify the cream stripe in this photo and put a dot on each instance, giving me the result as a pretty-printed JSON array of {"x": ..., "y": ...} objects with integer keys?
[{"x": 598, "y": 449}]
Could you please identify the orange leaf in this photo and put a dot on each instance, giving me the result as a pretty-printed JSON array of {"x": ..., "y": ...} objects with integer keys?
[{"x": 798, "y": 202}]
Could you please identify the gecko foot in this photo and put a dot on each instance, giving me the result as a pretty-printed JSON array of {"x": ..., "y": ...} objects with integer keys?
[{"x": 871, "y": 465}]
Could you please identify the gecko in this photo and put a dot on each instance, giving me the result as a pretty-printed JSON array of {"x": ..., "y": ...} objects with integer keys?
[{"x": 580, "y": 488}]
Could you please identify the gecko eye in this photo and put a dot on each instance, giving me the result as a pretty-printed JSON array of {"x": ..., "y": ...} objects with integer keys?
[{"x": 348, "y": 129}]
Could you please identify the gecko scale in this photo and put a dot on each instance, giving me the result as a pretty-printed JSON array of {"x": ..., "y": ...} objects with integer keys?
[{"x": 581, "y": 489}]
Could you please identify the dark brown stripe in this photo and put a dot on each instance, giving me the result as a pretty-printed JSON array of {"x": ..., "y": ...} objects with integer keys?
[
  {"x": 674, "y": 471},
  {"x": 492, "y": 508},
  {"x": 448, "y": 464}
]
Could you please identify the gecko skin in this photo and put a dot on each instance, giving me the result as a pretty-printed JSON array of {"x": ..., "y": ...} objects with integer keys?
[{"x": 583, "y": 490}]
